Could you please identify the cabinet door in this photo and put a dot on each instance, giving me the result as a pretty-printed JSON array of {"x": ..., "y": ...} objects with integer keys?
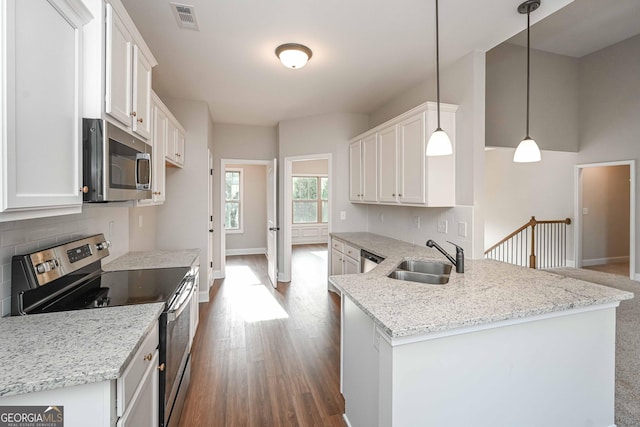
[
  {"x": 411, "y": 147},
  {"x": 336, "y": 262},
  {"x": 160, "y": 130},
  {"x": 370, "y": 169},
  {"x": 388, "y": 161},
  {"x": 118, "y": 69},
  {"x": 179, "y": 147},
  {"x": 42, "y": 136},
  {"x": 170, "y": 145},
  {"x": 351, "y": 266},
  {"x": 355, "y": 171},
  {"x": 141, "y": 94},
  {"x": 143, "y": 408}
]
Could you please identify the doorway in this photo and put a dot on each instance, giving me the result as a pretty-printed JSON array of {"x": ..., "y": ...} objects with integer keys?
[
  {"x": 246, "y": 194},
  {"x": 605, "y": 217},
  {"x": 311, "y": 221}
]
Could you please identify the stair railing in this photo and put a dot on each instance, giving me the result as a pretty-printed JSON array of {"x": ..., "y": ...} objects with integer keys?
[{"x": 537, "y": 244}]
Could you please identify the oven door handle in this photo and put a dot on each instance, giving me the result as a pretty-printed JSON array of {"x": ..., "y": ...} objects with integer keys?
[{"x": 183, "y": 299}]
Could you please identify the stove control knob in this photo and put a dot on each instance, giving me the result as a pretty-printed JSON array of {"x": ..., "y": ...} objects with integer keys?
[
  {"x": 41, "y": 268},
  {"x": 104, "y": 245}
]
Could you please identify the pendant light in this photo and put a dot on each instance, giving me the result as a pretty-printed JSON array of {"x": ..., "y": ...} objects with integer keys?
[
  {"x": 439, "y": 143},
  {"x": 528, "y": 151}
]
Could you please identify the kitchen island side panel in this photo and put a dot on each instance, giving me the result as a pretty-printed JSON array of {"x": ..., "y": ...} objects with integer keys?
[{"x": 553, "y": 372}]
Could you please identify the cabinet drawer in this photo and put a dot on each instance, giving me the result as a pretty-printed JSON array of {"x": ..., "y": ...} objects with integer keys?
[
  {"x": 337, "y": 245},
  {"x": 130, "y": 379},
  {"x": 352, "y": 252}
]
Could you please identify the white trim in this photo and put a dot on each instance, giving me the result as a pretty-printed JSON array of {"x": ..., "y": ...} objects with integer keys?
[
  {"x": 223, "y": 164},
  {"x": 203, "y": 296},
  {"x": 346, "y": 420},
  {"x": 285, "y": 275},
  {"x": 246, "y": 251},
  {"x": 577, "y": 212},
  {"x": 600, "y": 261},
  {"x": 570, "y": 263},
  {"x": 217, "y": 274}
]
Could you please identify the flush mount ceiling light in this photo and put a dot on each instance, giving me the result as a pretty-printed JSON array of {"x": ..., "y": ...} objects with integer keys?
[
  {"x": 439, "y": 143},
  {"x": 293, "y": 55},
  {"x": 528, "y": 151}
]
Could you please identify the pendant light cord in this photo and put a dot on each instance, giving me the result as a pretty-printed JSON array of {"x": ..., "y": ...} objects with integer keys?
[
  {"x": 438, "y": 67},
  {"x": 528, "y": 63}
]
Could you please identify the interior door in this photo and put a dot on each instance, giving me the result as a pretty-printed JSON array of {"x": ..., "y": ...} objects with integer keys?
[
  {"x": 272, "y": 224},
  {"x": 210, "y": 241}
]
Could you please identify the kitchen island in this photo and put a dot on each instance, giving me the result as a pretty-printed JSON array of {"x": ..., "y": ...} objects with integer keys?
[{"x": 499, "y": 345}]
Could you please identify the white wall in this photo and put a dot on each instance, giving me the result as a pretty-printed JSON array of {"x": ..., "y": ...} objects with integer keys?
[
  {"x": 182, "y": 221},
  {"x": 517, "y": 191},
  {"x": 142, "y": 228},
  {"x": 318, "y": 166},
  {"x": 231, "y": 141},
  {"x": 20, "y": 237},
  {"x": 610, "y": 110},
  {"x": 554, "y": 98},
  {"x": 605, "y": 193},
  {"x": 254, "y": 201},
  {"x": 328, "y": 133},
  {"x": 463, "y": 84}
]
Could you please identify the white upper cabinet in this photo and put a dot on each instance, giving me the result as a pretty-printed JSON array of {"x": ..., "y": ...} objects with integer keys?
[
  {"x": 41, "y": 108},
  {"x": 175, "y": 144},
  {"x": 399, "y": 172},
  {"x": 116, "y": 51}
]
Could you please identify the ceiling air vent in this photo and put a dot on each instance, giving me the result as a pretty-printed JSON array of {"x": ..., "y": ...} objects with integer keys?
[{"x": 185, "y": 15}]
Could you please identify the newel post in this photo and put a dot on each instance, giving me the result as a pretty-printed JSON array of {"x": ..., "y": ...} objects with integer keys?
[{"x": 532, "y": 256}]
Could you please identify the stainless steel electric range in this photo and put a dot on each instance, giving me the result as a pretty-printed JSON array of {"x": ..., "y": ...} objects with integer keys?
[{"x": 69, "y": 277}]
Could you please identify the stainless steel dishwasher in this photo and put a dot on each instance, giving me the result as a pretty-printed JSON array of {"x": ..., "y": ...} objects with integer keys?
[{"x": 369, "y": 261}]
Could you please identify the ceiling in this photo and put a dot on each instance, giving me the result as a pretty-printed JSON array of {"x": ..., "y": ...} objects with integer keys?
[
  {"x": 584, "y": 26},
  {"x": 364, "y": 51}
]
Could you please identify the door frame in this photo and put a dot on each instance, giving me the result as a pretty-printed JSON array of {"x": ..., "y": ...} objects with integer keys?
[
  {"x": 577, "y": 214},
  {"x": 285, "y": 274},
  {"x": 223, "y": 235}
]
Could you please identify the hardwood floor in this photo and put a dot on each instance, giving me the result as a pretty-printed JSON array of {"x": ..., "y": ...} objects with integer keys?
[
  {"x": 619, "y": 268},
  {"x": 267, "y": 357}
]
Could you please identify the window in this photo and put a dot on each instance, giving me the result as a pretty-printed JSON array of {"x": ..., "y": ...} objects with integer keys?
[
  {"x": 310, "y": 199},
  {"x": 233, "y": 201}
]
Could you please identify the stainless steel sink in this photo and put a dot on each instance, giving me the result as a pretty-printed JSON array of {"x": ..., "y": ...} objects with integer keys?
[
  {"x": 427, "y": 267},
  {"x": 412, "y": 276}
]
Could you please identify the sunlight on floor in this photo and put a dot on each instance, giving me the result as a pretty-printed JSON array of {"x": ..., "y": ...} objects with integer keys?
[
  {"x": 320, "y": 254},
  {"x": 251, "y": 298}
]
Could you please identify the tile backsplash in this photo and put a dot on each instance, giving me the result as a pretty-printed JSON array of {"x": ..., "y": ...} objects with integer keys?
[{"x": 19, "y": 237}]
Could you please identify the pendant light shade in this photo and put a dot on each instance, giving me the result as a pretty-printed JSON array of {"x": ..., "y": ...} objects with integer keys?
[
  {"x": 439, "y": 143},
  {"x": 528, "y": 151},
  {"x": 293, "y": 55}
]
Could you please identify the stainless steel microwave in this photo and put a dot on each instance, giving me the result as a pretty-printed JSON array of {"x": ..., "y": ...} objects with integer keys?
[{"x": 116, "y": 166}]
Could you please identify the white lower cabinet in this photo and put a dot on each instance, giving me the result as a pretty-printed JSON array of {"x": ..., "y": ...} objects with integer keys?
[
  {"x": 345, "y": 258},
  {"x": 142, "y": 411}
]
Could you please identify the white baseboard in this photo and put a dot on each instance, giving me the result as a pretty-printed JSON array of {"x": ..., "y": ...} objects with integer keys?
[
  {"x": 637, "y": 276},
  {"x": 346, "y": 420},
  {"x": 203, "y": 296},
  {"x": 570, "y": 263},
  {"x": 324, "y": 241},
  {"x": 217, "y": 274},
  {"x": 247, "y": 251},
  {"x": 599, "y": 261},
  {"x": 283, "y": 278}
]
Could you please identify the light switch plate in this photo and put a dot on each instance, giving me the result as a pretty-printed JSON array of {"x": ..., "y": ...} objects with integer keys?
[
  {"x": 585, "y": 211},
  {"x": 462, "y": 229},
  {"x": 343, "y": 215},
  {"x": 443, "y": 226}
]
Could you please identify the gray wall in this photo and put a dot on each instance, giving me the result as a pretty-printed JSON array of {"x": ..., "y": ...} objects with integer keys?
[
  {"x": 605, "y": 193},
  {"x": 322, "y": 134},
  {"x": 254, "y": 201},
  {"x": 182, "y": 221},
  {"x": 554, "y": 98},
  {"x": 231, "y": 141}
]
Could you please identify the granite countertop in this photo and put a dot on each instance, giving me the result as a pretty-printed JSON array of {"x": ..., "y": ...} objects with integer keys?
[
  {"x": 489, "y": 291},
  {"x": 49, "y": 351},
  {"x": 153, "y": 259}
]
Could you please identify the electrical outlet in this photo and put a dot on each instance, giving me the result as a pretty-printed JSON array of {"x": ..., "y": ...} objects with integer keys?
[
  {"x": 585, "y": 211},
  {"x": 416, "y": 221},
  {"x": 462, "y": 229},
  {"x": 343, "y": 215},
  {"x": 443, "y": 226},
  {"x": 381, "y": 217}
]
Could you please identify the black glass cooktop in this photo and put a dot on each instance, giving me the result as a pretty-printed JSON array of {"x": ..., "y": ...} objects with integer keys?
[{"x": 114, "y": 288}]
